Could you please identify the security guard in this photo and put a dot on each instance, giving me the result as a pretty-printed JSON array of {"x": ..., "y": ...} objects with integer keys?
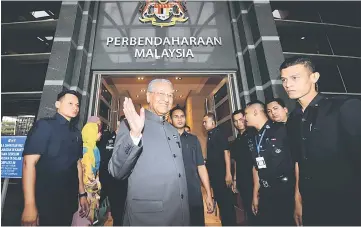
[
  {"x": 219, "y": 170},
  {"x": 196, "y": 171},
  {"x": 273, "y": 175},
  {"x": 325, "y": 135},
  {"x": 52, "y": 171},
  {"x": 240, "y": 153}
]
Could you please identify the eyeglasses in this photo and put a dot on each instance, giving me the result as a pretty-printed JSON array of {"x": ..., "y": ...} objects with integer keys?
[{"x": 163, "y": 95}]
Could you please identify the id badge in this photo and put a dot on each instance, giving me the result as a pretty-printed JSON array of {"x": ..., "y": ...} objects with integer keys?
[{"x": 261, "y": 164}]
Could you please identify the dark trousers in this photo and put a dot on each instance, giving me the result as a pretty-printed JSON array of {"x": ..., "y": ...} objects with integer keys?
[
  {"x": 275, "y": 207},
  {"x": 117, "y": 196},
  {"x": 225, "y": 200},
  {"x": 196, "y": 215},
  {"x": 246, "y": 193},
  {"x": 56, "y": 218},
  {"x": 116, "y": 191},
  {"x": 331, "y": 209}
]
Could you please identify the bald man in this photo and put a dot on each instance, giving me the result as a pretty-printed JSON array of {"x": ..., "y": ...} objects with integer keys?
[{"x": 273, "y": 172}]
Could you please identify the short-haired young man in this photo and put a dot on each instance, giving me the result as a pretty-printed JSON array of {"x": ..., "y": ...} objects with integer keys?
[
  {"x": 52, "y": 171},
  {"x": 219, "y": 169},
  {"x": 195, "y": 169},
  {"x": 325, "y": 135},
  {"x": 240, "y": 153}
]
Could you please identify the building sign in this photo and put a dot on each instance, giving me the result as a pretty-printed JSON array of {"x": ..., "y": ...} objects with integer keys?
[
  {"x": 163, "y": 12},
  {"x": 186, "y": 43},
  {"x": 12, "y": 148}
]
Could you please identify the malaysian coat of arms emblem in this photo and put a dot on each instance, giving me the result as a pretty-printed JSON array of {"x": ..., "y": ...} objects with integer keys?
[{"x": 163, "y": 13}]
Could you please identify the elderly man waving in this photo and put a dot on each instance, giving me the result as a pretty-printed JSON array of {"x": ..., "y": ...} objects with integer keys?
[{"x": 148, "y": 150}]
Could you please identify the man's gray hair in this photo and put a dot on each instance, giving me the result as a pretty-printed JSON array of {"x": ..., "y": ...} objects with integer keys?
[{"x": 151, "y": 84}]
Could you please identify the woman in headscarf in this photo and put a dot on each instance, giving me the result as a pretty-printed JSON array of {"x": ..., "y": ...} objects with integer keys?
[{"x": 91, "y": 162}]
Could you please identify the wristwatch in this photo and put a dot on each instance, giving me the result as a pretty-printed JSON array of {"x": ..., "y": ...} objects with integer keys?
[{"x": 83, "y": 195}]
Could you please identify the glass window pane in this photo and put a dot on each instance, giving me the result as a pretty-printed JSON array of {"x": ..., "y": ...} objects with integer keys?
[
  {"x": 242, "y": 34},
  {"x": 248, "y": 67},
  {"x": 220, "y": 94},
  {"x": 268, "y": 93},
  {"x": 243, "y": 102},
  {"x": 223, "y": 110},
  {"x": 351, "y": 74},
  {"x": 262, "y": 64},
  {"x": 106, "y": 94},
  {"x": 239, "y": 81},
  {"x": 104, "y": 110},
  {"x": 330, "y": 79},
  {"x": 16, "y": 125},
  {"x": 344, "y": 13},
  {"x": 301, "y": 11},
  {"x": 20, "y": 106},
  {"x": 302, "y": 40},
  {"x": 346, "y": 42},
  {"x": 237, "y": 8}
]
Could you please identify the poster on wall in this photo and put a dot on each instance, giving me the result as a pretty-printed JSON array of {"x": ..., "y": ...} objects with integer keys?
[{"x": 12, "y": 148}]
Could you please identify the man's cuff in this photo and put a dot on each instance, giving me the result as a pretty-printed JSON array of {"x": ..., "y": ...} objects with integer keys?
[{"x": 136, "y": 140}]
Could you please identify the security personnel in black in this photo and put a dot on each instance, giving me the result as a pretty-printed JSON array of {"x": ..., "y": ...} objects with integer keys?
[
  {"x": 114, "y": 189},
  {"x": 325, "y": 135},
  {"x": 52, "y": 171},
  {"x": 273, "y": 171},
  {"x": 242, "y": 156},
  {"x": 195, "y": 169},
  {"x": 219, "y": 170}
]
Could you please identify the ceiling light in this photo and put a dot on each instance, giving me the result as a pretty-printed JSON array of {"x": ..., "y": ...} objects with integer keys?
[
  {"x": 39, "y": 14},
  {"x": 303, "y": 37},
  {"x": 40, "y": 39},
  {"x": 180, "y": 96},
  {"x": 142, "y": 90},
  {"x": 178, "y": 78},
  {"x": 176, "y": 90},
  {"x": 49, "y": 37},
  {"x": 137, "y": 96},
  {"x": 140, "y": 78},
  {"x": 276, "y": 14}
]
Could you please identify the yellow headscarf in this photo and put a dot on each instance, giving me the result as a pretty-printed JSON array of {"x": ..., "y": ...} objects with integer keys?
[{"x": 90, "y": 135}]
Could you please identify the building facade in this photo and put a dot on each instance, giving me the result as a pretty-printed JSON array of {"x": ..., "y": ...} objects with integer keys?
[{"x": 74, "y": 42}]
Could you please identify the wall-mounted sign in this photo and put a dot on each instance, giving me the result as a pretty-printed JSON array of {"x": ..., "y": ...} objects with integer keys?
[
  {"x": 12, "y": 148},
  {"x": 163, "y": 12},
  {"x": 166, "y": 42}
]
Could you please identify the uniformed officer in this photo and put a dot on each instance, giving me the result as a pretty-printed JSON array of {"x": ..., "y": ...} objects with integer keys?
[
  {"x": 273, "y": 175},
  {"x": 326, "y": 142},
  {"x": 219, "y": 169},
  {"x": 195, "y": 169},
  {"x": 240, "y": 153},
  {"x": 277, "y": 110},
  {"x": 52, "y": 171}
]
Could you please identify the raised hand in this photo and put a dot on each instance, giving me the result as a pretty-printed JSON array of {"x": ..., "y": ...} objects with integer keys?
[{"x": 135, "y": 120}]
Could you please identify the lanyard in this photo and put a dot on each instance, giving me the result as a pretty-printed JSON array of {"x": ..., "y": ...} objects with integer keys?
[{"x": 260, "y": 141}]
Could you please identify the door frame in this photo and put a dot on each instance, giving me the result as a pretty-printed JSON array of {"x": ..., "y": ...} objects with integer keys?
[{"x": 229, "y": 78}]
